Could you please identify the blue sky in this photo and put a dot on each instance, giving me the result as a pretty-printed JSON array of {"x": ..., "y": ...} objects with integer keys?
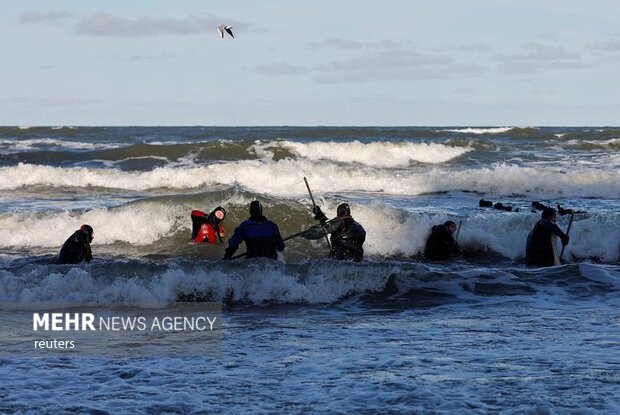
[{"x": 466, "y": 62}]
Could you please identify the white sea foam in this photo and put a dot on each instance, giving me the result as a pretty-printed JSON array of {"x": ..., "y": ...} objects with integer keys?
[
  {"x": 258, "y": 282},
  {"x": 471, "y": 130},
  {"x": 376, "y": 154},
  {"x": 315, "y": 283},
  {"x": 46, "y": 143},
  {"x": 133, "y": 224},
  {"x": 283, "y": 178}
]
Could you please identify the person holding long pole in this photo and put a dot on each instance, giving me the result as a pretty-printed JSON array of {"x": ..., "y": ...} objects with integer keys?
[
  {"x": 540, "y": 249},
  {"x": 347, "y": 235}
]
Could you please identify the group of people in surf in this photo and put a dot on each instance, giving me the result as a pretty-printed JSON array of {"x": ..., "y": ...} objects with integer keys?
[{"x": 262, "y": 237}]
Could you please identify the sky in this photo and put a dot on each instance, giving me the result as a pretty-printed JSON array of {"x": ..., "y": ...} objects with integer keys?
[{"x": 316, "y": 62}]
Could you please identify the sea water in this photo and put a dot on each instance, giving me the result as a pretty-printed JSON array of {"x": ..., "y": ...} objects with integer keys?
[{"x": 483, "y": 334}]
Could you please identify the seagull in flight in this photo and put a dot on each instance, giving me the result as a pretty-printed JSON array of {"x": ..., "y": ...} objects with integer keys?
[{"x": 224, "y": 28}]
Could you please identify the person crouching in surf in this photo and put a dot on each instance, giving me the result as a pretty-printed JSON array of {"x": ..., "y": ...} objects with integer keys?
[
  {"x": 261, "y": 236},
  {"x": 540, "y": 250},
  {"x": 77, "y": 247},
  {"x": 208, "y": 228},
  {"x": 440, "y": 245},
  {"x": 347, "y": 236}
]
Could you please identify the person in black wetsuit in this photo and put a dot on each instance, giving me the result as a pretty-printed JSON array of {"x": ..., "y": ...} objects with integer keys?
[
  {"x": 261, "y": 236},
  {"x": 539, "y": 248},
  {"x": 77, "y": 247},
  {"x": 347, "y": 236},
  {"x": 440, "y": 245}
]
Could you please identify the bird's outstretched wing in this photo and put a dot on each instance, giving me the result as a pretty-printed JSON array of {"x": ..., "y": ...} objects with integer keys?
[
  {"x": 229, "y": 30},
  {"x": 220, "y": 30}
]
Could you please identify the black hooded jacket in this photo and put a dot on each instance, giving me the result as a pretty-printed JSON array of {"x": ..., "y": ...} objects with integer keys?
[
  {"x": 539, "y": 249},
  {"x": 75, "y": 249},
  {"x": 347, "y": 237},
  {"x": 440, "y": 245}
]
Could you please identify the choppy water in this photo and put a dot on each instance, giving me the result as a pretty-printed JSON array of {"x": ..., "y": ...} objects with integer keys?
[{"x": 485, "y": 334}]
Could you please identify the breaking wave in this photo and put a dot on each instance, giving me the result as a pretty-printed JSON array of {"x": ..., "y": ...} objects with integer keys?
[
  {"x": 11, "y": 145},
  {"x": 376, "y": 154},
  {"x": 161, "y": 226},
  {"x": 472, "y": 130},
  {"x": 268, "y": 282},
  {"x": 282, "y": 178}
]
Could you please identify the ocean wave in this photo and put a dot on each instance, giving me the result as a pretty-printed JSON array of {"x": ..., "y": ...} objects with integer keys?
[
  {"x": 162, "y": 227},
  {"x": 151, "y": 285},
  {"x": 610, "y": 144},
  {"x": 472, "y": 130},
  {"x": 282, "y": 178},
  {"x": 11, "y": 145},
  {"x": 154, "y": 285},
  {"x": 376, "y": 154}
]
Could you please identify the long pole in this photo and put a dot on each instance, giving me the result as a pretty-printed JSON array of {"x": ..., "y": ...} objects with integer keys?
[
  {"x": 570, "y": 222},
  {"x": 313, "y": 207},
  {"x": 456, "y": 239}
]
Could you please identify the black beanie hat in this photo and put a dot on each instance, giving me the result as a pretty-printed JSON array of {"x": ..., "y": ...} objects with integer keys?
[
  {"x": 87, "y": 228},
  {"x": 343, "y": 210},
  {"x": 256, "y": 209},
  {"x": 547, "y": 213}
]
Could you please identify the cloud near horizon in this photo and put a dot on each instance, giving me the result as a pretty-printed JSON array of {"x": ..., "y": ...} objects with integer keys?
[
  {"x": 48, "y": 101},
  {"x": 103, "y": 24},
  {"x": 281, "y": 69},
  {"x": 611, "y": 45},
  {"x": 397, "y": 64},
  {"x": 537, "y": 57},
  {"x": 384, "y": 65},
  {"x": 49, "y": 17},
  {"x": 152, "y": 58},
  {"x": 345, "y": 44}
]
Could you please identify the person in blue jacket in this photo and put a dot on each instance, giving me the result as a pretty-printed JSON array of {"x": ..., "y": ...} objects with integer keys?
[
  {"x": 261, "y": 236},
  {"x": 539, "y": 247}
]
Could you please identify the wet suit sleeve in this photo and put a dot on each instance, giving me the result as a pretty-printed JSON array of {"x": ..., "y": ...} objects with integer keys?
[
  {"x": 279, "y": 240},
  {"x": 556, "y": 230},
  {"x": 319, "y": 231},
  {"x": 446, "y": 245},
  {"x": 332, "y": 225},
  {"x": 88, "y": 253},
  {"x": 234, "y": 241},
  {"x": 319, "y": 215}
]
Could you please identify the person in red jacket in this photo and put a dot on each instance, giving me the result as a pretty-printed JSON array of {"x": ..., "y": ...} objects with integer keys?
[{"x": 207, "y": 228}]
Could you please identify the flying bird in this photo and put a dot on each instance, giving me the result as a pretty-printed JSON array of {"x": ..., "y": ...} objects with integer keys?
[{"x": 223, "y": 28}]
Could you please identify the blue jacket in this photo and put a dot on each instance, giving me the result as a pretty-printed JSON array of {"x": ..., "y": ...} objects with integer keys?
[{"x": 261, "y": 236}]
